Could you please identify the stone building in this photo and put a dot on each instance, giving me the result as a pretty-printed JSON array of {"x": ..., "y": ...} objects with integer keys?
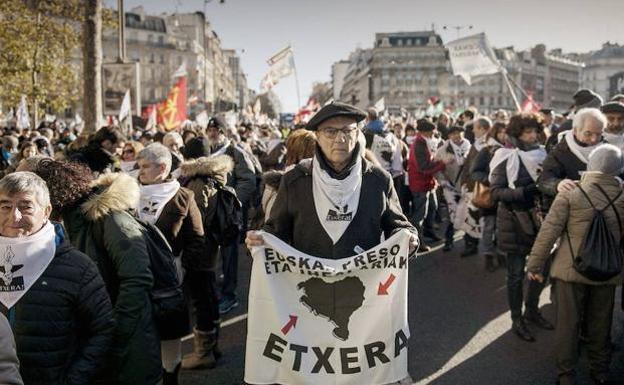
[{"x": 604, "y": 70}]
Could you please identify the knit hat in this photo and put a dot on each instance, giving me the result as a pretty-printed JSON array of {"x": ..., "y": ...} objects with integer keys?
[{"x": 607, "y": 159}]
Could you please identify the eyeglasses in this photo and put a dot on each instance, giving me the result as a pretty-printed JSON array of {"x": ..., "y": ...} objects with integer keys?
[
  {"x": 128, "y": 151},
  {"x": 332, "y": 133}
]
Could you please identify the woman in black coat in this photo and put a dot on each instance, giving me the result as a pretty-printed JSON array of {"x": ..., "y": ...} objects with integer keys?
[{"x": 513, "y": 186}]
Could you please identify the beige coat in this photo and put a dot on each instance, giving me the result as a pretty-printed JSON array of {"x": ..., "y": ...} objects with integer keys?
[{"x": 573, "y": 209}]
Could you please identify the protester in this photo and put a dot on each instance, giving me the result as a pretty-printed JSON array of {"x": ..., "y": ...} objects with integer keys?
[
  {"x": 98, "y": 222},
  {"x": 579, "y": 300},
  {"x": 9, "y": 364},
  {"x": 128, "y": 163},
  {"x": 513, "y": 179},
  {"x": 614, "y": 131},
  {"x": 63, "y": 300},
  {"x": 173, "y": 141},
  {"x": 318, "y": 210},
  {"x": 300, "y": 145},
  {"x": 442, "y": 125},
  {"x": 99, "y": 154}
]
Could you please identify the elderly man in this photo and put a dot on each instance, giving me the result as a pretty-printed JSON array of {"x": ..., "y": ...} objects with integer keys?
[
  {"x": 52, "y": 294},
  {"x": 614, "y": 132},
  {"x": 174, "y": 211},
  {"x": 319, "y": 207},
  {"x": 562, "y": 167}
]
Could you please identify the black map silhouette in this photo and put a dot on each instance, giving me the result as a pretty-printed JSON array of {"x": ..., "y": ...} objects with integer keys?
[{"x": 335, "y": 301}]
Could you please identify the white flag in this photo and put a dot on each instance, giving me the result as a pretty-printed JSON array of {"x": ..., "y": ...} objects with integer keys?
[
  {"x": 281, "y": 64},
  {"x": 472, "y": 56},
  {"x": 181, "y": 71},
  {"x": 125, "y": 109},
  {"x": 321, "y": 321},
  {"x": 380, "y": 106},
  {"x": 151, "y": 120},
  {"x": 202, "y": 119},
  {"x": 23, "y": 119}
]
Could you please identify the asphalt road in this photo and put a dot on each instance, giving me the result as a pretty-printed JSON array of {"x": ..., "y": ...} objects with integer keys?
[{"x": 460, "y": 330}]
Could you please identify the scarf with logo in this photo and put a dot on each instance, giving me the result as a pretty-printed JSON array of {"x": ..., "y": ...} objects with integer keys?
[
  {"x": 460, "y": 151},
  {"x": 153, "y": 199},
  {"x": 336, "y": 197},
  {"x": 581, "y": 152},
  {"x": 22, "y": 261}
]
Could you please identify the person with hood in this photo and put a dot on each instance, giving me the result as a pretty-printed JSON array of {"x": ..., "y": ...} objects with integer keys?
[
  {"x": 513, "y": 177},
  {"x": 243, "y": 180},
  {"x": 201, "y": 173},
  {"x": 614, "y": 132},
  {"x": 100, "y": 152},
  {"x": 98, "y": 219},
  {"x": 336, "y": 202},
  {"x": 453, "y": 153},
  {"x": 53, "y": 294},
  {"x": 578, "y": 299},
  {"x": 9, "y": 364}
]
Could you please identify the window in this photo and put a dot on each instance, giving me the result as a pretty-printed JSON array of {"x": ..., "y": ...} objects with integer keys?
[
  {"x": 152, "y": 60},
  {"x": 162, "y": 59},
  {"x": 161, "y": 39}
]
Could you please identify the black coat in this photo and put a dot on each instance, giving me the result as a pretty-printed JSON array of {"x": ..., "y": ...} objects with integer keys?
[
  {"x": 480, "y": 171},
  {"x": 514, "y": 205},
  {"x": 64, "y": 324},
  {"x": 560, "y": 164}
]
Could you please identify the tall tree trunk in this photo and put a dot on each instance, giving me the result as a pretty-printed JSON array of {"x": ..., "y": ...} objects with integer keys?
[{"x": 92, "y": 65}]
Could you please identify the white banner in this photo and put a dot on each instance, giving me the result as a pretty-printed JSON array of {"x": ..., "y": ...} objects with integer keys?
[
  {"x": 281, "y": 64},
  {"x": 472, "y": 56},
  {"x": 321, "y": 321}
]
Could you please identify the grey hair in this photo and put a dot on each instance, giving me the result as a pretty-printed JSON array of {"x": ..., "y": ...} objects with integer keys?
[
  {"x": 26, "y": 182},
  {"x": 582, "y": 115},
  {"x": 484, "y": 122},
  {"x": 175, "y": 136},
  {"x": 157, "y": 153}
]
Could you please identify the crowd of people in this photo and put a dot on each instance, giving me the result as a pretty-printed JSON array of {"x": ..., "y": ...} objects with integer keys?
[{"x": 103, "y": 220}]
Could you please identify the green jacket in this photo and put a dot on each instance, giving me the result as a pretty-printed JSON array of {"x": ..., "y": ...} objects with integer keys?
[{"x": 102, "y": 228}]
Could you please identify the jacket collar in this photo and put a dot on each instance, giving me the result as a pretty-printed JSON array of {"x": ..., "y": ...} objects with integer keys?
[
  {"x": 112, "y": 192},
  {"x": 217, "y": 167},
  {"x": 596, "y": 177}
]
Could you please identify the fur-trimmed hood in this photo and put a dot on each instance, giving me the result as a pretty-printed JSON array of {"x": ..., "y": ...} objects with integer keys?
[
  {"x": 114, "y": 192},
  {"x": 272, "y": 178},
  {"x": 217, "y": 167}
]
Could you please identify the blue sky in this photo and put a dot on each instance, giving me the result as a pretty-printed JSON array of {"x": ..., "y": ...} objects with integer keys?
[{"x": 324, "y": 31}]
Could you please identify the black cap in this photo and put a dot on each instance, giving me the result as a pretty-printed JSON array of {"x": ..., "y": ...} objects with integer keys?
[
  {"x": 196, "y": 148},
  {"x": 424, "y": 125},
  {"x": 613, "y": 107},
  {"x": 333, "y": 110},
  {"x": 585, "y": 98},
  {"x": 455, "y": 129},
  {"x": 217, "y": 122},
  {"x": 618, "y": 98}
]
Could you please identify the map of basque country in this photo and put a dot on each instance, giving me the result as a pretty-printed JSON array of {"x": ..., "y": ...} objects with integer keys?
[{"x": 335, "y": 301}]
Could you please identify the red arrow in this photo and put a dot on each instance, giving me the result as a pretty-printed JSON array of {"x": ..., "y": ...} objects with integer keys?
[
  {"x": 383, "y": 287},
  {"x": 290, "y": 324}
]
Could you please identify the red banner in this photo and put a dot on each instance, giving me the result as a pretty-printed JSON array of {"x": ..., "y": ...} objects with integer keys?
[{"x": 172, "y": 112}]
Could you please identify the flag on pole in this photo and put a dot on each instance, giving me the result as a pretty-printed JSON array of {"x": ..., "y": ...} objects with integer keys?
[
  {"x": 472, "y": 56},
  {"x": 125, "y": 114},
  {"x": 530, "y": 105},
  {"x": 181, "y": 71},
  {"x": 380, "y": 106},
  {"x": 151, "y": 119},
  {"x": 281, "y": 65},
  {"x": 23, "y": 119},
  {"x": 172, "y": 112}
]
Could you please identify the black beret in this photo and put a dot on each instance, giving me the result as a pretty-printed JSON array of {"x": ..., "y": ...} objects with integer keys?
[
  {"x": 586, "y": 98},
  {"x": 333, "y": 110},
  {"x": 424, "y": 125},
  {"x": 617, "y": 98},
  {"x": 455, "y": 129},
  {"x": 612, "y": 107},
  {"x": 217, "y": 122}
]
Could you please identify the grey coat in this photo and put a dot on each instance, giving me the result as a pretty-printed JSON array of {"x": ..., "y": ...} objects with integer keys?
[
  {"x": 9, "y": 365},
  {"x": 294, "y": 220}
]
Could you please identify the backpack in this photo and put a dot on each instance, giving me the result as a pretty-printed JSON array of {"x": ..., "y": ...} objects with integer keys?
[
  {"x": 600, "y": 255},
  {"x": 167, "y": 296},
  {"x": 225, "y": 225}
]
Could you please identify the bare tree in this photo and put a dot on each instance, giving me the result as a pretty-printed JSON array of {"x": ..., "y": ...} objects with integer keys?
[{"x": 92, "y": 64}]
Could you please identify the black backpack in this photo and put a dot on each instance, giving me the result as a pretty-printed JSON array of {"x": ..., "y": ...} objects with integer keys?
[
  {"x": 167, "y": 295},
  {"x": 226, "y": 224},
  {"x": 600, "y": 255}
]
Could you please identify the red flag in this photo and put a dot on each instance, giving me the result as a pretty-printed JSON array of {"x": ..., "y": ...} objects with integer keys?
[
  {"x": 530, "y": 105},
  {"x": 172, "y": 112}
]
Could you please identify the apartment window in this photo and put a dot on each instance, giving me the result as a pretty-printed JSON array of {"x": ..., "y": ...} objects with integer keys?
[
  {"x": 150, "y": 38},
  {"x": 152, "y": 59},
  {"x": 161, "y": 39},
  {"x": 162, "y": 59},
  {"x": 152, "y": 94}
]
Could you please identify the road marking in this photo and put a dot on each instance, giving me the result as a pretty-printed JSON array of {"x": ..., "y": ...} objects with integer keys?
[{"x": 229, "y": 322}]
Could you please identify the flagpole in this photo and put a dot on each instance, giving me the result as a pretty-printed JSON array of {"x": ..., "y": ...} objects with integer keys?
[
  {"x": 513, "y": 94},
  {"x": 296, "y": 81}
]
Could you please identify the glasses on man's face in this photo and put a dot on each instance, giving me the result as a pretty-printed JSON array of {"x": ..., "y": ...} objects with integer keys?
[{"x": 332, "y": 133}]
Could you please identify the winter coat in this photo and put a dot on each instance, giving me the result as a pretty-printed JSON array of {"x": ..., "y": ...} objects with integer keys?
[
  {"x": 480, "y": 171},
  {"x": 271, "y": 181},
  {"x": 514, "y": 228},
  {"x": 572, "y": 212},
  {"x": 243, "y": 177},
  {"x": 95, "y": 157},
  {"x": 466, "y": 177},
  {"x": 294, "y": 220},
  {"x": 102, "y": 228},
  {"x": 560, "y": 164},
  {"x": 64, "y": 324},
  {"x": 9, "y": 364},
  {"x": 194, "y": 176},
  {"x": 421, "y": 167},
  {"x": 452, "y": 170}
]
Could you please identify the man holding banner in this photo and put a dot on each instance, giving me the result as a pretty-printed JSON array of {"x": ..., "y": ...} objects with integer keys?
[{"x": 319, "y": 269}]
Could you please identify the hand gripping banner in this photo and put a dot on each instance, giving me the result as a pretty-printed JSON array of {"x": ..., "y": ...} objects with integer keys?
[{"x": 320, "y": 321}]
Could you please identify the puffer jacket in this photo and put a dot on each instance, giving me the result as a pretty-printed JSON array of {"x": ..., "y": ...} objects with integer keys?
[
  {"x": 570, "y": 215},
  {"x": 9, "y": 364},
  {"x": 101, "y": 227},
  {"x": 64, "y": 324}
]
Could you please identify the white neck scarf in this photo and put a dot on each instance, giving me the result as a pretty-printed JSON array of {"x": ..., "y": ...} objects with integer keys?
[
  {"x": 582, "y": 153},
  {"x": 22, "y": 261},
  {"x": 222, "y": 150},
  {"x": 336, "y": 201},
  {"x": 127, "y": 166},
  {"x": 153, "y": 199},
  {"x": 532, "y": 160},
  {"x": 433, "y": 143},
  {"x": 481, "y": 142},
  {"x": 614, "y": 139},
  {"x": 460, "y": 151}
]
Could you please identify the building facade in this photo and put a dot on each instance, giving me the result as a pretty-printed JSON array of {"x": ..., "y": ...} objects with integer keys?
[{"x": 604, "y": 70}]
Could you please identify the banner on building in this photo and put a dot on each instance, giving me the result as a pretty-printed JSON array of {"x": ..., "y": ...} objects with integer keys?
[
  {"x": 320, "y": 321},
  {"x": 281, "y": 65},
  {"x": 117, "y": 78},
  {"x": 472, "y": 56},
  {"x": 172, "y": 112}
]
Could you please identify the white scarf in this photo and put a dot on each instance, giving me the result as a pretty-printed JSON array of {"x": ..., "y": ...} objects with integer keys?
[
  {"x": 153, "y": 199},
  {"x": 336, "y": 201},
  {"x": 532, "y": 160},
  {"x": 582, "y": 153},
  {"x": 460, "y": 151},
  {"x": 614, "y": 139},
  {"x": 481, "y": 142},
  {"x": 127, "y": 166},
  {"x": 22, "y": 261},
  {"x": 433, "y": 143},
  {"x": 222, "y": 150}
]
